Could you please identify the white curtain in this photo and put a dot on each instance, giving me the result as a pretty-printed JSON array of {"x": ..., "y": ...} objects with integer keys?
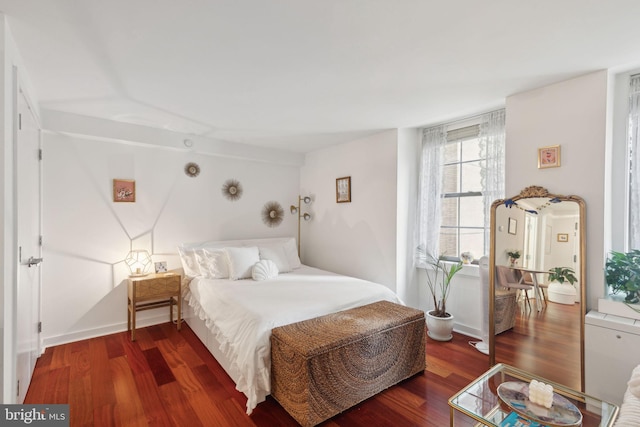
[
  {"x": 492, "y": 142},
  {"x": 634, "y": 147},
  {"x": 430, "y": 188}
]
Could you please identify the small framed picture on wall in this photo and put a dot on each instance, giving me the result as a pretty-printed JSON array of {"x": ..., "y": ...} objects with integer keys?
[
  {"x": 512, "y": 227},
  {"x": 563, "y": 237},
  {"x": 124, "y": 190},
  {"x": 343, "y": 190},
  {"x": 549, "y": 157}
]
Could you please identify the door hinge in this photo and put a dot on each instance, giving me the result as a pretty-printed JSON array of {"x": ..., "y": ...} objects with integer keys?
[
  {"x": 40, "y": 240},
  {"x": 40, "y": 154},
  {"x": 20, "y": 121},
  {"x": 20, "y": 254},
  {"x": 39, "y": 327},
  {"x": 18, "y": 389}
]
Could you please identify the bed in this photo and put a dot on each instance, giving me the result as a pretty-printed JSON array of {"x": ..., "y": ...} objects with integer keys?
[{"x": 234, "y": 300}]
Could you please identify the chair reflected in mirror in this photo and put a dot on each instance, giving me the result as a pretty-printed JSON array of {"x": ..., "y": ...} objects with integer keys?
[{"x": 511, "y": 279}]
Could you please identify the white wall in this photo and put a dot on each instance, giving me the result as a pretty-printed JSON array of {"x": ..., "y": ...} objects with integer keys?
[
  {"x": 87, "y": 235},
  {"x": 407, "y": 285},
  {"x": 357, "y": 238},
  {"x": 572, "y": 114}
]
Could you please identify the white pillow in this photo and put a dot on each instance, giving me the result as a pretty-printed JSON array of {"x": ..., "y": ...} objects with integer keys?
[
  {"x": 276, "y": 254},
  {"x": 189, "y": 262},
  {"x": 212, "y": 263},
  {"x": 291, "y": 250},
  {"x": 264, "y": 269},
  {"x": 241, "y": 261}
]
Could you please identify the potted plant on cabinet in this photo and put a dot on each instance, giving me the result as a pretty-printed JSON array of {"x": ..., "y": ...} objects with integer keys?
[
  {"x": 559, "y": 291},
  {"x": 622, "y": 274},
  {"x": 514, "y": 255},
  {"x": 439, "y": 275}
]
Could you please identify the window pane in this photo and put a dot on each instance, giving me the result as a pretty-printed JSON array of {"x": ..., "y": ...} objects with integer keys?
[
  {"x": 471, "y": 150},
  {"x": 471, "y": 179},
  {"x": 472, "y": 240},
  {"x": 449, "y": 242},
  {"x": 471, "y": 212},
  {"x": 450, "y": 212},
  {"x": 450, "y": 177},
  {"x": 452, "y": 152}
]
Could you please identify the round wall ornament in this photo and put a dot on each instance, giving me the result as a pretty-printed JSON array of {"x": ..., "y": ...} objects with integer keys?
[
  {"x": 272, "y": 214},
  {"x": 192, "y": 169},
  {"x": 232, "y": 189}
]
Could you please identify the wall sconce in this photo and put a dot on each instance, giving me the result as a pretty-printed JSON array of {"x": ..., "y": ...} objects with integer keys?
[
  {"x": 139, "y": 262},
  {"x": 296, "y": 210}
]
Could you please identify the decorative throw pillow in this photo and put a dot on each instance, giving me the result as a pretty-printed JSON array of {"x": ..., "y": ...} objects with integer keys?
[
  {"x": 291, "y": 250},
  {"x": 264, "y": 269},
  {"x": 212, "y": 263},
  {"x": 276, "y": 254},
  {"x": 241, "y": 261},
  {"x": 189, "y": 262}
]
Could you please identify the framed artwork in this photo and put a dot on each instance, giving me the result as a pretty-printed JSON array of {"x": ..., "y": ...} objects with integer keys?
[
  {"x": 563, "y": 237},
  {"x": 549, "y": 157},
  {"x": 343, "y": 190},
  {"x": 512, "y": 226},
  {"x": 124, "y": 190},
  {"x": 161, "y": 267}
]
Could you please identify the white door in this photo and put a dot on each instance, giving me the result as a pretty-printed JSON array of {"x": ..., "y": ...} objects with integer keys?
[{"x": 29, "y": 245}]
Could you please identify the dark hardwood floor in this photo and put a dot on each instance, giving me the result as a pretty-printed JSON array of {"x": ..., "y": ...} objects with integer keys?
[{"x": 169, "y": 378}]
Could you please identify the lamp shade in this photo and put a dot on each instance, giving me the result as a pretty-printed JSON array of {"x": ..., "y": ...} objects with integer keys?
[{"x": 138, "y": 261}]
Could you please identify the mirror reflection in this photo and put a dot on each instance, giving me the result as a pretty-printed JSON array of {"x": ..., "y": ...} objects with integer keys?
[{"x": 538, "y": 285}]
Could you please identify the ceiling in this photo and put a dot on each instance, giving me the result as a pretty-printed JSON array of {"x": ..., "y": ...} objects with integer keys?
[{"x": 301, "y": 74}]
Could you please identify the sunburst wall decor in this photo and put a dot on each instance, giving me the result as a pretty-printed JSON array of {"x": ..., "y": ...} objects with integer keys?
[
  {"x": 232, "y": 189},
  {"x": 272, "y": 214},
  {"x": 192, "y": 169}
]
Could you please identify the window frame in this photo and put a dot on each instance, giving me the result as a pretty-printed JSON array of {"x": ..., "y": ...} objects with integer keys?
[{"x": 459, "y": 135}]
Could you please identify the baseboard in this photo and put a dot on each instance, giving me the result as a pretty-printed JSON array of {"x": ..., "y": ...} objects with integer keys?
[
  {"x": 101, "y": 331},
  {"x": 468, "y": 331}
]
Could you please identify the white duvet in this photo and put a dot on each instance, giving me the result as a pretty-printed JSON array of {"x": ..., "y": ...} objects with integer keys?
[{"x": 242, "y": 313}]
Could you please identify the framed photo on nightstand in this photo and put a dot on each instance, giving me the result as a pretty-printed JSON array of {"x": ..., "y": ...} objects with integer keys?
[{"x": 161, "y": 267}]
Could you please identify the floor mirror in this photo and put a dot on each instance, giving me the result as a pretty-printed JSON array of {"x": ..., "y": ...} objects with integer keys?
[{"x": 536, "y": 325}]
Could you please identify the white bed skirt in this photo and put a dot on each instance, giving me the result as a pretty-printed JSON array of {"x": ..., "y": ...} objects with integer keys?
[{"x": 199, "y": 327}]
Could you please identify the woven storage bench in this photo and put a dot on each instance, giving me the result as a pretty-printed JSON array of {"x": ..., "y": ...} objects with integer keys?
[{"x": 322, "y": 366}]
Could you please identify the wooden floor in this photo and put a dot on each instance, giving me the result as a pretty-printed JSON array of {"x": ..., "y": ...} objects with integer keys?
[{"x": 169, "y": 378}]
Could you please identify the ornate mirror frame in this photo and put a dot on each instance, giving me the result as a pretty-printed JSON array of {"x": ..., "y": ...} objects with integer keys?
[{"x": 538, "y": 192}]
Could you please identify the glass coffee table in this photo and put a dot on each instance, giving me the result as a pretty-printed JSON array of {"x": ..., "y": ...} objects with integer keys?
[{"x": 495, "y": 395}]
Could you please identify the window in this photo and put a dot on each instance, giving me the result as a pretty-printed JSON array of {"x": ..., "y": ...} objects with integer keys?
[
  {"x": 463, "y": 224},
  {"x": 461, "y": 174}
]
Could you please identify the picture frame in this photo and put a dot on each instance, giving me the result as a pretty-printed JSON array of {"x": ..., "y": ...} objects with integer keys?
[
  {"x": 124, "y": 190},
  {"x": 161, "y": 267},
  {"x": 563, "y": 237},
  {"x": 343, "y": 189},
  {"x": 512, "y": 227},
  {"x": 549, "y": 157}
]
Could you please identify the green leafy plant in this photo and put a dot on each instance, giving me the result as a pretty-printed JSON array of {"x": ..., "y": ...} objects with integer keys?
[
  {"x": 622, "y": 273},
  {"x": 562, "y": 274},
  {"x": 513, "y": 253},
  {"x": 439, "y": 282}
]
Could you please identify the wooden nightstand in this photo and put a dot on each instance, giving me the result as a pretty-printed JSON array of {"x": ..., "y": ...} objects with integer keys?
[{"x": 153, "y": 291}]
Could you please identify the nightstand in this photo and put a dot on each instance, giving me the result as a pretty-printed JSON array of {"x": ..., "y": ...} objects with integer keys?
[{"x": 153, "y": 291}]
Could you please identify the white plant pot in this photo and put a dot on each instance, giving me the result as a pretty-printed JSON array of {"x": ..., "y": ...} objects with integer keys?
[
  {"x": 561, "y": 293},
  {"x": 439, "y": 328}
]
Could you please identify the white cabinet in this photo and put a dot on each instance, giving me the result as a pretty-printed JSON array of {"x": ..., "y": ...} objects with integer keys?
[{"x": 612, "y": 350}]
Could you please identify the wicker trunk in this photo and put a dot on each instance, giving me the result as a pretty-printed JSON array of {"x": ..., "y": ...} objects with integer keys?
[{"x": 322, "y": 366}]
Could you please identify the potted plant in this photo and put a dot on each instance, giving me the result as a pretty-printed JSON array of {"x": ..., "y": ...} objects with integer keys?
[
  {"x": 439, "y": 276},
  {"x": 514, "y": 255},
  {"x": 561, "y": 290},
  {"x": 622, "y": 274}
]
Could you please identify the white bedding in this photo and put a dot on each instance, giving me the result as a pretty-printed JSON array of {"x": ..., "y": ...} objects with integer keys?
[{"x": 242, "y": 313}]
